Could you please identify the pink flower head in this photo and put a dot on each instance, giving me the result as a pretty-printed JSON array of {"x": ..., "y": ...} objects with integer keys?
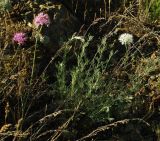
[
  {"x": 41, "y": 19},
  {"x": 20, "y": 38}
]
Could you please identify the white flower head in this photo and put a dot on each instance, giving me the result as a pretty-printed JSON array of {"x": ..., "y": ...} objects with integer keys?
[{"x": 126, "y": 39}]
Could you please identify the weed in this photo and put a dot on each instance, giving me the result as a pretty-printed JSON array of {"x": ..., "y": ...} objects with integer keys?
[
  {"x": 152, "y": 8},
  {"x": 103, "y": 79}
]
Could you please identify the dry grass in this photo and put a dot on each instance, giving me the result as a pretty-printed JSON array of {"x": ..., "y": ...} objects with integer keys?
[{"x": 28, "y": 109}]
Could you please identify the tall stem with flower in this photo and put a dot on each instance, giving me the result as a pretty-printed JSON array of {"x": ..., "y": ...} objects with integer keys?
[
  {"x": 126, "y": 39},
  {"x": 20, "y": 38},
  {"x": 40, "y": 20}
]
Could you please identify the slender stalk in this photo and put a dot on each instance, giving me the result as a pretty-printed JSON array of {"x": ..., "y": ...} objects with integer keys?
[
  {"x": 34, "y": 59},
  {"x": 105, "y": 8}
]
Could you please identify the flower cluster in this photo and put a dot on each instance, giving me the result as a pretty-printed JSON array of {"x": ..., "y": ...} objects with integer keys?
[
  {"x": 41, "y": 19},
  {"x": 126, "y": 39},
  {"x": 20, "y": 38}
]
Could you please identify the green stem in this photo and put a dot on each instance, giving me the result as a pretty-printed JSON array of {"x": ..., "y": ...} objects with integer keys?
[
  {"x": 34, "y": 57},
  {"x": 33, "y": 64}
]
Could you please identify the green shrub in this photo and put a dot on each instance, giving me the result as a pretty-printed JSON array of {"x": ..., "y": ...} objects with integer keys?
[
  {"x": 5, "y": 5},
  {"x": 86, "y": 82},
  {"x": 153, "y": 8}
]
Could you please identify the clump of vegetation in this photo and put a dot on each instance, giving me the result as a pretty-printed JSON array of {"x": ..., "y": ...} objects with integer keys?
[
  {"x": 152, "y": 8},
  {"x": 57, "y": 86}
]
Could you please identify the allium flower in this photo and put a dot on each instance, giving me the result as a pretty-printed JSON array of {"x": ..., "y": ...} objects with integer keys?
[
  {"x": 20, "y": 38},
  {"x": 41, "y": 19},
  {"x": 126, "y": 39}
]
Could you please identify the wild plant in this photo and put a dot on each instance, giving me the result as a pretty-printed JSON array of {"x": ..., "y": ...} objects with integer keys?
[
  {"x": 86, "y": 81},
  {"x": 152, "y": 7}
]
